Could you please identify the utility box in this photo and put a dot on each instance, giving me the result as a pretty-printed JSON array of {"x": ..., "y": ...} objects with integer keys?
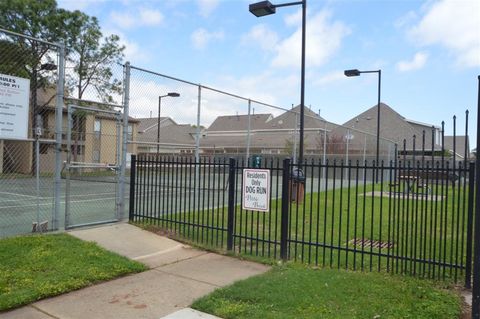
[{"x": 297, "y": 185}]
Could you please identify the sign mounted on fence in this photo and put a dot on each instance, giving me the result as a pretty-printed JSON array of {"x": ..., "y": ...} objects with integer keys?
[
  {"x": 256, "y": 189},
  {"x": 14, "y": 94}
]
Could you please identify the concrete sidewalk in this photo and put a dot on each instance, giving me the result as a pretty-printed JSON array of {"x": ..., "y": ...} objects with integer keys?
[{"x": 179, "y": 274}]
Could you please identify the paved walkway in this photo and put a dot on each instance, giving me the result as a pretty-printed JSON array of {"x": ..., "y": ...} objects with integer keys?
[{"x": 179, "y": 274}]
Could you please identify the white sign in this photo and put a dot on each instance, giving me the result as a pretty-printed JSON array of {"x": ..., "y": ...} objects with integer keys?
[
  {"x": 256, "y": 189},
  {"x": 14, "y": 96}
]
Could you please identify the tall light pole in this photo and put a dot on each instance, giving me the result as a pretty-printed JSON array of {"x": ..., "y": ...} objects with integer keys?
[
  {"x": 171, "y": 94},
  {"x": 264, "y": 8},
  {"x": 476, "y": 247},
  {"x": 356, "y": 72}
]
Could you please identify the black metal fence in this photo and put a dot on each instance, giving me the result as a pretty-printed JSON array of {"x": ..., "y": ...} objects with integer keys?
[{"x": 417, "y": 219}]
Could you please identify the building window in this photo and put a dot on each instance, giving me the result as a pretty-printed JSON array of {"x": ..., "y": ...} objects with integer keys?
[
  {"x": 96, "y": 156},
  {"x": 130, "y": 132},
  {"x": 44, "y": 148},
  {"x": 97, "y": 128}
]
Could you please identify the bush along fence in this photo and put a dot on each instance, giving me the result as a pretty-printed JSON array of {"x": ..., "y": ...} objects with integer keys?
[{"x": 412, "y": 215}]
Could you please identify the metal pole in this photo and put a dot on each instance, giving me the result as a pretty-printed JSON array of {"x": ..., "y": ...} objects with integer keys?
[
  {"x": 118, "y": 188},
  {"x": 197, "y": 141},
  {"x": 324, "y": 148},
  {"x": 67, "y": 166},
  {"x": 364, "y": 152},
  {"x": 131, "y": 208},
  {"x": 476, "y": 258},
  {"x": 58, "y": 133},
  {"x": 37, "y": 177},
  {"x": 231, "y": 203},
  {"x": 285, "y": 207},
  {"x": 248, "y": 132},
  {"x": 34, "y": 107},
  {"x": 295, "y": 140},
  {"x": 302, "y": 85},
  {"x": 346, "y": 151},
  {"x": 158, "y": 125},
  {"x": 123, "y": 165},
  {"x": 378, "y": 123}
]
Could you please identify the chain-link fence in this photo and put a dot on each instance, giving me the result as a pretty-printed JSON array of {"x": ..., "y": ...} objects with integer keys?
[
  {"x": 65, "y": 116},
  {"x": 94, "y": 124},
  {"x": 40, "y": 147},
  {"x": 29, "y": 75},
  {"x": 177, "y": 117}
]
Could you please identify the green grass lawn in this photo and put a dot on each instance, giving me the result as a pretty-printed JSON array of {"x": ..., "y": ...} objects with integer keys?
[
  {"x": 433, "y": 230},
  {"x": 39, "y": 266},
  {"x": 299, "y": 292}
]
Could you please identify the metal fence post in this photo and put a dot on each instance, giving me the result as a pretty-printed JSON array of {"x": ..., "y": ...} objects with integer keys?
[
  {"x": 285, "y": 207},
  {"x": 123, "y": 160},
  {"x": 197, "y": 134},
  {"x": 133, "y": 170},
  {"x": 249, "y": 126},
  {"x": 231, "y": 202},
  {"x": 476, "y": 247},
  {"x": 58, "y": 133},
  {"x": 471, "y": 196},
  {"x": 67, "y": 166}
]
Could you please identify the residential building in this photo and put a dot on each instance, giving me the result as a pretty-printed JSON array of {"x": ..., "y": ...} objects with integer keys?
[
  {"x": 268, "y": 134},
  {"x": 173, "y": 138},
  {"x": 407, "y": 134},
  {"x": 95, "y": 137}
]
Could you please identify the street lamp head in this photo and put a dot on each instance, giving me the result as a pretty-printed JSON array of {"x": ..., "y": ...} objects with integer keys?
[
  {"x": 48, "y": 66},
  {"x": 262, "y": 8},
  {"x": 353, "y": 72},
  {"x": 173, "y": 94}
]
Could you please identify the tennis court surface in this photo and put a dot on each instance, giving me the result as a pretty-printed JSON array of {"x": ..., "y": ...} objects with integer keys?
[{"x": 20, "y": 206}]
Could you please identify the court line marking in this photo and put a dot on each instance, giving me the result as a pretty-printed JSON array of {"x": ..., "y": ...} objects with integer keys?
[
  {"x": 45, "y": 204},
  {"x": 18, "y": 194},
  {"x": 51, "y": 197}
]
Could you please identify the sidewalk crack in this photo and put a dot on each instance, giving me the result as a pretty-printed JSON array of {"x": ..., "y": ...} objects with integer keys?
[
  {"x": 189, "y": 278},
  {"x": 180, "y": 260},
  {"x": 43, "y": 311}
]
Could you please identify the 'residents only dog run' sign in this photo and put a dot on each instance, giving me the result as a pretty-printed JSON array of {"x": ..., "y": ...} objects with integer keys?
[{"x": 256, "y": 189}]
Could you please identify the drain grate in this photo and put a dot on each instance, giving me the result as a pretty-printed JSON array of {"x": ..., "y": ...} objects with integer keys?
[{"x": 367, "y": 243}]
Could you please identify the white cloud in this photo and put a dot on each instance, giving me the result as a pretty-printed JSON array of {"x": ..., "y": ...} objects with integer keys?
[
  {"x": 150, "y": 17},
  {"x": 76, "y": 4},
  {"x": 140, "y": 18},
  {"x": 201, "y": 37},
  {"x": 132, "y": 51},
  {"x": 329, "y": 78},
  {"x": 406, "y": 19},
  {"x": 416, "y": 63},
  {"x": 207, "y": 6},
  {"x": 123, "y": 20},
  {"x": 455, "y": 25},
  {"x": 323, "y": 39},
  {"x": 266, "y": 87},
  {"x": 263, "y": 36}
]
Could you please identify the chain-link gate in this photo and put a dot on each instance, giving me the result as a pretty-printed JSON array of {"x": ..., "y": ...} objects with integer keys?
[{"x": 92, "y": 169}]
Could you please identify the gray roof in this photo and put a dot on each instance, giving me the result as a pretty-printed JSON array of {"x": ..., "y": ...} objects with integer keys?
[
  {"x": 181, "y": 134},
  {"x": 152, "y": 122},
  {"x": 239, "y": 122},
  {"x": 393, "y": 126},
  {"x": 287, "y": 119},
  {"x": 266, "y": 121},
  {"x": 264, "y": 140}
]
